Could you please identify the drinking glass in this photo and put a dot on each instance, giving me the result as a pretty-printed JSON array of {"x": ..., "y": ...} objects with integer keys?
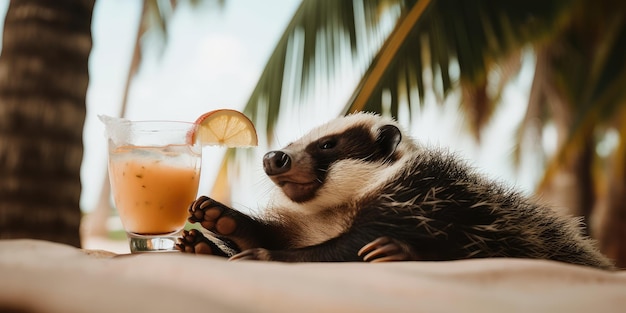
[{"x": 154, "y": 170}]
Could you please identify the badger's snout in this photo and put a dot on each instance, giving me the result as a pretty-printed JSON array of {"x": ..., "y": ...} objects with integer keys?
[
  {"x": 276, "y": 163},
  {"x": 292, "y": 173}
]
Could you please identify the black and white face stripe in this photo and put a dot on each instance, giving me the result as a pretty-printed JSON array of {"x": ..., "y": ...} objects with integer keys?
[
  {"x": 340, "y": 160},
  {"x": 356, "y": 143}
]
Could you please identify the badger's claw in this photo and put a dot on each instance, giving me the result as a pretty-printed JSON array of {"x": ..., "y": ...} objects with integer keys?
[
  {"x": 210, "y": 214},
  {"x": 257, "y": 254},
  {"x": 386, "y": 249}
]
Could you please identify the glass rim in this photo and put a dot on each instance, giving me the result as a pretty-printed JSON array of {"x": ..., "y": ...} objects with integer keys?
[
  {"x": 157, "y": 121},
  {"x": 159, "y": 125}
]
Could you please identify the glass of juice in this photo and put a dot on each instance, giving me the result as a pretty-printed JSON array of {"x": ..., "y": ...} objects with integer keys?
[{"x": 154, "y": 171}]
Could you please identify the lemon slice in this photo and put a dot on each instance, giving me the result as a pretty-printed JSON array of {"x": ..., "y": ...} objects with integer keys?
[{"x": 225, "y": 127}]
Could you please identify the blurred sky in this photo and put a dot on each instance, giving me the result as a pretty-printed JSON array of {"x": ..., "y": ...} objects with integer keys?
[{"x": 214, "y": 58}]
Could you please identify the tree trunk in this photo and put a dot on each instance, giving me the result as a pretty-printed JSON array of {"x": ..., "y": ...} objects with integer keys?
[
  {"x": 610, "y": 215},
  {"x": 611, "y": 220},
  {"x": 43, "y": 86},
  {"x": 571, "y": 186}
]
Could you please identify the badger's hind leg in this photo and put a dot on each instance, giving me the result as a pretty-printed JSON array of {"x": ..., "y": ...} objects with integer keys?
[
  {"x": 386, "y": 249},
  {"x": 193, "y": 241}
]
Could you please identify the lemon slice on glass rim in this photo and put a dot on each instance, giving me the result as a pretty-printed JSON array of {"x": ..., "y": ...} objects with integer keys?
[{"x": 224, "y": 127}]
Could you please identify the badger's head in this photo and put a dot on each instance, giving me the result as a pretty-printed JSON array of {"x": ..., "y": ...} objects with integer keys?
[{"x": 338, "y": 162}]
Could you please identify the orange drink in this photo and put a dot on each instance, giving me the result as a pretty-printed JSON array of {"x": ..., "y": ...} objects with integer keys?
[
  {"x": 151, "y": 195},
  {"x": 154, "y": 171}
]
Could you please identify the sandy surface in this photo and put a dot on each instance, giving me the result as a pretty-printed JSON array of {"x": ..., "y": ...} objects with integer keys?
[{"x": 39, "y": 276}]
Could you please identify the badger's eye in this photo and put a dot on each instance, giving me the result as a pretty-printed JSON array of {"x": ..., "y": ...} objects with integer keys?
[{"x": 327, "y": 143}]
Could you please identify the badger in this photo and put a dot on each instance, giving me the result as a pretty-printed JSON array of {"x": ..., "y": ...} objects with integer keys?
[{"x": 360, "y": 189}]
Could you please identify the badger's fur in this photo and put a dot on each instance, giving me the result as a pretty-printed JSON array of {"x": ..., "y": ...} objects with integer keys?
[{"x": 359, "y": 189}]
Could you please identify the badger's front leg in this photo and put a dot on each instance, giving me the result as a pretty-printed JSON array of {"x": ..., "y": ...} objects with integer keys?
[
  {"x": 352, "y": 246},
  {"x": 236, "y": 228},
  {"x": 382, "y": 249}
]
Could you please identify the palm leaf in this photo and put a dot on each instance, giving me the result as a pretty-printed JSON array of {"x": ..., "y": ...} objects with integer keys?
[
  {"x": 383, "y": 60},
  {"x": 323, "y": 37},
  {"x": 594, "y": 89},
  {"x": 475, "y": 38},
  {"x": 531, "y": 127},
  {"x": 459, "y": 41}
]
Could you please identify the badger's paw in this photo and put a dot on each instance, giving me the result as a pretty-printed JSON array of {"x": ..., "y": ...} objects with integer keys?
[
  {"x": 193, "y": 241},
  {"x": 386, "y": 249},
  {"x": 257, "y": 254},
  {"x": 210, "y": 214}
]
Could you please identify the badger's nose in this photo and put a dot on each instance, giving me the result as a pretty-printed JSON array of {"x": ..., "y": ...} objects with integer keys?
[{"x": 276, "y": 162}]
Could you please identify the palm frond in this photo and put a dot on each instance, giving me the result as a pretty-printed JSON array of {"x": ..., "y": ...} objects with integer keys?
[
  {"x": 530, "y": 130},
  {"x": 459, "y": 42},
  {"x": 589, "y": 72},
  {"x": 383, "y": 60},
  {"x": 603, "y": 79},
  {"x": 464, "y": 43},
  {"x": 323, "y": 39},
  {"x": 157, "y": 16}
]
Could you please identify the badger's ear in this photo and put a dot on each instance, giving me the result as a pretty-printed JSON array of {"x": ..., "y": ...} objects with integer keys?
[{"x": 388, "y": 138}]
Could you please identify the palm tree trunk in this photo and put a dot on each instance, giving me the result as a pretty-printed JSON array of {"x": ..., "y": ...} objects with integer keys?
[
  {"x": 612, "y": 221},
  {"x": 43, "y": 86},
  {"x": 610, "y": 215},
  {"x": 571, "y": 187},
  {"x": 570, "y": 184}
]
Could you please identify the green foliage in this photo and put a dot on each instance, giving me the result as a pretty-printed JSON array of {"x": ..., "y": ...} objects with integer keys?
[
  {"x": 319, "y": 30},
  {"x": 580, "y": 78},
  {"x": 462, "y": 41},
  {"x": 459, "y": 41}
]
